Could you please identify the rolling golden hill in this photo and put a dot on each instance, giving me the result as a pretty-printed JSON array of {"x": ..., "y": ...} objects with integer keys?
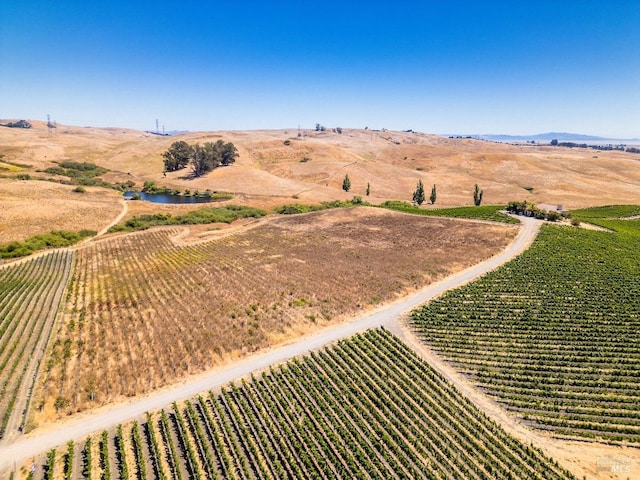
[{"x": 269, "y": 170}]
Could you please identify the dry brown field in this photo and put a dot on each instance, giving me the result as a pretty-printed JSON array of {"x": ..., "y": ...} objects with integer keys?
[
  {"x": 33, "y": 207},
  {"x": 143, "y": 312}
]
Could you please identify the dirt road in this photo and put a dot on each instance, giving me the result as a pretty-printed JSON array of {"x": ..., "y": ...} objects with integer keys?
[
  {"x": 82, "y": 425},
  {"x": 125, "y": 209}
]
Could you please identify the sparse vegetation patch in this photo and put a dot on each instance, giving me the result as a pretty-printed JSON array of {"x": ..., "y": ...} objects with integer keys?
[
  {"x": 77, "y": 170},
  {"x": 492, "y": 213},
  {"x": 225, "y": 214},
  {"x": 54, "y": 239},
  {"x": 294, "y": 208},
  {"x": 133, "y": 296}
]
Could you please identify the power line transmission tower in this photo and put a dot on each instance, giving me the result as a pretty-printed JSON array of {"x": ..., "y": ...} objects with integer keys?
[{"x": 50, "y": 126}]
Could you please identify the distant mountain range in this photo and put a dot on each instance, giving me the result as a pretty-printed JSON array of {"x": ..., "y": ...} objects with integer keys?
[{"x": 560, "y": 136}]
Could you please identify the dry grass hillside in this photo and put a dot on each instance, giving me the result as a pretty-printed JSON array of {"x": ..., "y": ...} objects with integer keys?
[{"x": 268, "y": 172}]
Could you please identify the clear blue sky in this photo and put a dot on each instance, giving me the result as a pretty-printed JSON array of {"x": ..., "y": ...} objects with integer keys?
[{"x": 514, "y": 67}]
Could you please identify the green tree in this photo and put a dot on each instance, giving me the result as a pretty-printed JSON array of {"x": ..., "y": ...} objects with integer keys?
[
  {"x": 418, "y": 195},
  {"x": 211, "y": 156},
  {"x": 177, "y": 156},
  {"x": 433, "y": 196},
  {"x": 201, "y": 160},
  {"x": 477, "y": 196},
  {"x": 228, "y": 153},
  {"x": 346, "y": 183}
]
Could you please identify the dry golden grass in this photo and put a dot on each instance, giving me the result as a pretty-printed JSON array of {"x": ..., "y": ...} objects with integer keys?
[
  {"x": 144, "y": 312},
  {"x": 33, "y": 207},
  {"x": 269, "y": 173}
]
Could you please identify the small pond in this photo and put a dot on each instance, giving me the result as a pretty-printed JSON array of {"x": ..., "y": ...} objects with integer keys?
[{"x": 171, "y": 198}]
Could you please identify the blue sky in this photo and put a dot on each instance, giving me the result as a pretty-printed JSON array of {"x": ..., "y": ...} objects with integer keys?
[{"x": 513, "y": 67}]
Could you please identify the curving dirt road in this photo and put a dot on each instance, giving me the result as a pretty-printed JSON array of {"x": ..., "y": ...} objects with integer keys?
[
  {"x": 125, "y": 209},
  {"x": 82, "y": 425}
]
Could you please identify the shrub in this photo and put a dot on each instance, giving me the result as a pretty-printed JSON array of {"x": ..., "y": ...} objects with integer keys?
[
  {"x": 77, "y": 170},
  {"x": 124, "y": 186},
  {"x": 552, "y": 216},
  {"x": 80, "y": 189},
  {"x": 226, "y": 214},
  {"x": 488, "y": 212},
  {"x": 150, "y": 187},
  {"x": 287, "y": 142},
  {"x": 54, "y": 239},
  {"x": 294, "y": 208},
  {"x": 61, "y": 403}
]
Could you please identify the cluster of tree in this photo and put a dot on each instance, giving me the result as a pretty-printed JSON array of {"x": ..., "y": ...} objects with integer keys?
[
  {"x": 202, "y": 158},
  {"x": 620, "y": 147},
  {"x": 322, "y": 128},
  {"x": 529, "y": 209},
  {"x": 346, "y": 185},
  {"x": 419, "y": 195}
]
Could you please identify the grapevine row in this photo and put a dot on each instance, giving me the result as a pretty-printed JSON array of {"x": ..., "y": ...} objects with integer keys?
[
  {"x": 365, "y": 408},
  {"x": 553, "y": 334}
]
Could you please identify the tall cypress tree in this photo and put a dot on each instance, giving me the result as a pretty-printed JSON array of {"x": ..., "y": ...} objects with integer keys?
[
  {"x": 477, "y": 196},
  {"x": 346, "y": 183},
  {"x": 418, "y": 195}
]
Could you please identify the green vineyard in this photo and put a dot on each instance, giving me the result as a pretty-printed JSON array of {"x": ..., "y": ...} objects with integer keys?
[
  {"x": 555, "y": 334},
  {"x": 30, "y": 293},
  {"x": 366, "y": 408},
  {"x": 607, "y": 211}
]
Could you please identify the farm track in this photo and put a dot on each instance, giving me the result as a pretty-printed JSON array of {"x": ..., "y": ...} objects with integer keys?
[
  {"x": 120, "y": 216},
  {"x": 80, "y": 426}
]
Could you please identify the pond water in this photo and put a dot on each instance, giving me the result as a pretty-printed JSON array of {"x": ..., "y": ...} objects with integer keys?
[{"x": 169, "y": 198}]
